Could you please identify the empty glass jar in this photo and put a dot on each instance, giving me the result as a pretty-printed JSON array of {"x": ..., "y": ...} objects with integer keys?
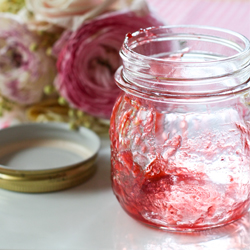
[{"x": 180, "y": 131}]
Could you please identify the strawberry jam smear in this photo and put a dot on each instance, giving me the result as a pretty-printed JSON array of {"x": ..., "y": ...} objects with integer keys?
[{"x": 180, "y": 170}]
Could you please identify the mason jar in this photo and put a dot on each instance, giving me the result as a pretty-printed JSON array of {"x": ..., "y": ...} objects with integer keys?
[{"x": 180, "y": 144}]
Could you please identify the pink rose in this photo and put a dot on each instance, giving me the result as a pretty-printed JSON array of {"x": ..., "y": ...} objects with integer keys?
[
  {"x": 24, "y": 67},
  {"x": 88, "y": 61}
]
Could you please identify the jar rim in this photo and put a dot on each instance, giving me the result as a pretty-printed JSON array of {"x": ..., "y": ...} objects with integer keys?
[
  {"x": 155, "y": 61},
  {"x": 134, "y": 35}
]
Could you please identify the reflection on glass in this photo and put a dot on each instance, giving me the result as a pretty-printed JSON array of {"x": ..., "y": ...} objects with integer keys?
[{"x": 131, "y": 235}]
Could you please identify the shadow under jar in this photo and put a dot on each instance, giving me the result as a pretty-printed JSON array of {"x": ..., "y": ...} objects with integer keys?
[{"x": 180, "y": 131}]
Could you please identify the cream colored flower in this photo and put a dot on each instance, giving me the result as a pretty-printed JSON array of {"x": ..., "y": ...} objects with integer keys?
[
  {"x": 15, "y": 116},
  {"x": 72, "y": 13}
]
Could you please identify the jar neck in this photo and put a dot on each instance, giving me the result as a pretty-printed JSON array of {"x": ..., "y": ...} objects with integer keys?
[{"x": 185, "y": 61}]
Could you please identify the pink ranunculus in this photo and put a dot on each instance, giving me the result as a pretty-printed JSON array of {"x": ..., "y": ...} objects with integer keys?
[
  {"x": 24, "y": 67},
  {"x": 90, "y": 57},
  {"x": 71, "y": 13}
]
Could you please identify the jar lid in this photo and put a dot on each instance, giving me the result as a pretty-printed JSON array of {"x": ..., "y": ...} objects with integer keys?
[{"x": 45, "y": 157}]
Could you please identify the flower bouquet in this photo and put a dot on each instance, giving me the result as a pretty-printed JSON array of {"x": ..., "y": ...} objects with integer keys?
[{"x": 58, "y": 58}]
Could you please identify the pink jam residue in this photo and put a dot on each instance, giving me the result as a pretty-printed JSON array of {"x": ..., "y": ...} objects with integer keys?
[{"x": 178, "y": 169}]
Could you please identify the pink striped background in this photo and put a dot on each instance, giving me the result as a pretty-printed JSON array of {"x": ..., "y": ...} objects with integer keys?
[{"x": 230, "y": 14}]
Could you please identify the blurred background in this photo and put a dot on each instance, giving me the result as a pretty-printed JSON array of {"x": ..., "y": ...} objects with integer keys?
[{"x": 230, "y": 14}]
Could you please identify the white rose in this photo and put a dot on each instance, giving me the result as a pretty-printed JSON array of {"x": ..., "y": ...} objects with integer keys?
[{"x": 71, "y": 14}]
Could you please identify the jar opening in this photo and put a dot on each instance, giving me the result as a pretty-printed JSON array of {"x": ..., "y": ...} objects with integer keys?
[
  {"x": 186, "y": 59},
  {"x": 187, "y": 44}
]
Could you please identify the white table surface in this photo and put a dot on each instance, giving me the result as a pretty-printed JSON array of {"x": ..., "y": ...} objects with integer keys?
[{"x": 89, "y": 217}]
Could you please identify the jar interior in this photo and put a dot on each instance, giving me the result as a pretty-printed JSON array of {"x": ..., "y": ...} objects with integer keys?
[{"x": 193, "y": 46}]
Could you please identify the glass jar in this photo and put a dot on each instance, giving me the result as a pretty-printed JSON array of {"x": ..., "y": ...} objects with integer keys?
[{"x": 180, "y": 144}]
